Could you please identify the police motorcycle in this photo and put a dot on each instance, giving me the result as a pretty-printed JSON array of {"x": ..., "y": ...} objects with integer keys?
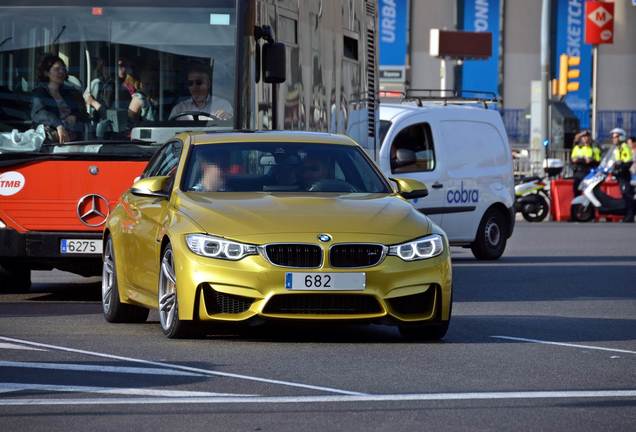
[
  {"x": 532, "y": 194},
  {"x": 531, "y": 199},
  {"x": 592, "y": 198}
]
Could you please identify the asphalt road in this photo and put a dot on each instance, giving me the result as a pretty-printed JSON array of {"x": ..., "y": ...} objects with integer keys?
[{"x": 543, "y": 339}]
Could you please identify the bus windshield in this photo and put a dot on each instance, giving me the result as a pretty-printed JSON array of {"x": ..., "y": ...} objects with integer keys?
[{"x": 86, "y": 72}]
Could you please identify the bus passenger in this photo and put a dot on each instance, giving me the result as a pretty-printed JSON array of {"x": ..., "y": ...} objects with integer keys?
[
  {"x": 57, "y": 106},
  {"x": 143, "y": 105},
  {"x": 201, "y": 98},
  {"x": 100, "y": 93}
]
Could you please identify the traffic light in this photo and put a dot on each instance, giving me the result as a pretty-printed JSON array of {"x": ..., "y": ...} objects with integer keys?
[{"x": 569, "y": 74}]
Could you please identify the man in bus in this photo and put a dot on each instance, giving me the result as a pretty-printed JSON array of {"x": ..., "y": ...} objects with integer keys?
[{"x": 201, "y": 98}]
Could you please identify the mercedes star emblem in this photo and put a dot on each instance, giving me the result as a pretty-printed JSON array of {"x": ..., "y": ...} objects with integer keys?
[
  {"x": 324, "y": 238},
  {"x": 92, "y": 210}
]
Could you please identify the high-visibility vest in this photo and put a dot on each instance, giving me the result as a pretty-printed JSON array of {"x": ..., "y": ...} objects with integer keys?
[
  {"x": 581, "y": 152},
  {"x": 596, "y": 153},
  {"x": 623, "y": 153}
]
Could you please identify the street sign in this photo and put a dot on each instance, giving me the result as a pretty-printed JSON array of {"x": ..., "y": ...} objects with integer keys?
[{"x": 599, "y": 22}]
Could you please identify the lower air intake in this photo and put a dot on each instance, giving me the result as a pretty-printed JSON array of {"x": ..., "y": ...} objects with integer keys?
[
  {"x": 323, "y": 304},
  {"x": 218, "y": 302}
]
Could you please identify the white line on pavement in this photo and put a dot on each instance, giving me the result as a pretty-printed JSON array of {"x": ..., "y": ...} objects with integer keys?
[
  {"x": 14, "y": 387},
  {"x": 183, "y": 368},
  {"x": 97, "y": 368},
  {"x": 518, "y": 339},
  {"x": 18, "y": 347},
  {"x": 597, "y": 394}
]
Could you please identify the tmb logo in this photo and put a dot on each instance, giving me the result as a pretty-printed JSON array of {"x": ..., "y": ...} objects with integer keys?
[
  {"x": 462, "y": 196},
  {"x": 11, "y": 183}
]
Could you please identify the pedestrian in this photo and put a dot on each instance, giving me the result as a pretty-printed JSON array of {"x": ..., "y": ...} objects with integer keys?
[
  {"x": 582, "y": 158},
  {"x": 624, "y": 160}
]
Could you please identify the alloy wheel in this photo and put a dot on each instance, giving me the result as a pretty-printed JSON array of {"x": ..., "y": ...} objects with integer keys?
[
  {"x": 108, "y": 276},
  {"x": 167, "y": 290}
]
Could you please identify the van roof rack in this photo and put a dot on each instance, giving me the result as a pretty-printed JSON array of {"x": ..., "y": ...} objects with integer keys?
[{"x": 451, "y": 96}]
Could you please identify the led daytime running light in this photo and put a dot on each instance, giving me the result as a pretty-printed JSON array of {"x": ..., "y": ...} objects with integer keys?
[
  {"x": 215, "y": 247},
  {"x": 422, "y": 248}
]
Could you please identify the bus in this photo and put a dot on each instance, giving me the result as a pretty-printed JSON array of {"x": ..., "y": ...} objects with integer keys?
[
  {"x": 330, "y": 66},
  {"x": 89, "y": 92}
]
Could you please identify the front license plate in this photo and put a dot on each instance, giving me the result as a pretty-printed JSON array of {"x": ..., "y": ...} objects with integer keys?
[
  {"x": 325, "y": 281},
  {"x": 80, "y": 246}
]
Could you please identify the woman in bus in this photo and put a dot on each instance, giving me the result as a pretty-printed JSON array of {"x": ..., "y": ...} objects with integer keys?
[
  {"x": 143, "y": 105},
  {"x": 57, "y": 106}
]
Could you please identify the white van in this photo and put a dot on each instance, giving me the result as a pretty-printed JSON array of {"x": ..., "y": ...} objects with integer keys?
[{"x": 462, "y": 155}]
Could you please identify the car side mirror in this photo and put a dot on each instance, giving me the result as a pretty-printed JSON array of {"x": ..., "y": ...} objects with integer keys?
[
  {"x": 274, "y": 63},
  {"x": 410, "y": 188},
  {"x": 404, "y": 157},
  {"x": 151, "y": 187}
]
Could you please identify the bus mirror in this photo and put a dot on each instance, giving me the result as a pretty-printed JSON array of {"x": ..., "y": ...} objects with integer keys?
[{"x": 273, "y": 62}]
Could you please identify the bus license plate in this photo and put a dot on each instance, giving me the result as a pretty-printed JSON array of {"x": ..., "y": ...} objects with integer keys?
[
  {"x": 80, "y": 246},
  {"x": 325, "y": 281}
]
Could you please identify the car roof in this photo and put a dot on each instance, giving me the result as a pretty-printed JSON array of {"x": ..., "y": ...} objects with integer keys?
[{"x": 203, "y": 137}]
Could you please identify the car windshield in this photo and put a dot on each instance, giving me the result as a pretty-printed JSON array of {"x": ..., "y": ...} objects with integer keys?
[
  {"x": 281, "y": 167},
  {"x": 98, "y": 72}
]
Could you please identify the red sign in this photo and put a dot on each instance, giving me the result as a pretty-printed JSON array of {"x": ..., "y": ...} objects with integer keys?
[{"x": 599, "y": 22}]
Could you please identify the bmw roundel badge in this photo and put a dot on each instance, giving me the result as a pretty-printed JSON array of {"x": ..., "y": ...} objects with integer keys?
[{"x": 324, "y": 238}]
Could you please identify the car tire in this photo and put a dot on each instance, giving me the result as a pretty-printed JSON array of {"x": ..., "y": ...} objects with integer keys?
[
  {"x": 433, "y": 331},
  {"x": 15, "y": 278},
  {"x": 425, "y": 332},
  {"x": 492, "y": 234},
  {"x": 582, "y": 213},
  {"x": 114, "y": 310},
  {"x": 171, "y": 325}
]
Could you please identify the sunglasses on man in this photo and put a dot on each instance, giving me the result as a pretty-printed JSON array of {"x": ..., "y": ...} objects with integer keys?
[{"x": 197, "y": 82}]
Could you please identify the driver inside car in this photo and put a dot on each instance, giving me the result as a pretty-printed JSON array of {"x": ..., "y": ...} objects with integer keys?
[
  {"x": 313, "y": 170},
  {"x": 201, "y": 100}
]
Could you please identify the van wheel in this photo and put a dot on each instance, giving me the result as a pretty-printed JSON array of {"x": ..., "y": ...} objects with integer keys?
[
  {"x": 15, "y": 278},
  {"x": 490, "y": 242},
  {"x": 114, "y": 310}
]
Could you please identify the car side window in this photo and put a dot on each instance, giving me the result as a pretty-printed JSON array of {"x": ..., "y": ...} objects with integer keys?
[
  {"x": 417, "y": 139},
  {"x": 165, "y": 161}
]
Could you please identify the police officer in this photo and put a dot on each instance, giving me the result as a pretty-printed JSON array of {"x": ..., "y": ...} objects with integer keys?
[
  {"x": 582, "y": 157},
  {"x": 624, "y": 159}
]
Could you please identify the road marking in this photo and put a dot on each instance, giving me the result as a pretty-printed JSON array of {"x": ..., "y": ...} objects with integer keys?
[
  {"x": 597, "y": 394},
  {"x": 564, "y": 344},
  {"x": 18, "y": 347},
  {"x": 183, "y": 368},
  {"x": 14, "y": 387},
  {"x": 97, "y": 368}
]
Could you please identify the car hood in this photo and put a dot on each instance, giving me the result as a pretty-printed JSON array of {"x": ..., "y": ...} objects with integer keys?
[{"x": 258, "y": 217}]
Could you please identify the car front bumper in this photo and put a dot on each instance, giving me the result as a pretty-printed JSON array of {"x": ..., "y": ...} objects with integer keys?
[{"x": 395, "y": 290}]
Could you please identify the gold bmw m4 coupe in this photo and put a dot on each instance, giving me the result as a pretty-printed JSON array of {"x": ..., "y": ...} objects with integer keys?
[{"x": 273, "y": 225}]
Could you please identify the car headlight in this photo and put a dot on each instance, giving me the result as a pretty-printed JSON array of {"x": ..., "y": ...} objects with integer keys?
[
  {"x": 2, "y": 224},
  {"x": 421, "y": 248},
  {"x": 216, "y": 247}
]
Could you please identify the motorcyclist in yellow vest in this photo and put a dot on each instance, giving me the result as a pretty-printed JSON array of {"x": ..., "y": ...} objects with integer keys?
[
  {"x": 582, "y": 158},
  {"x": 624, "y": 159}
]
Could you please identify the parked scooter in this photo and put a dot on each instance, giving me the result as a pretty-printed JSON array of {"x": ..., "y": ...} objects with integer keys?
[
  {"x": 532, "y": 194},
  {"x": 592, "y": 198},
  {"x": 531, "y": 199}
]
